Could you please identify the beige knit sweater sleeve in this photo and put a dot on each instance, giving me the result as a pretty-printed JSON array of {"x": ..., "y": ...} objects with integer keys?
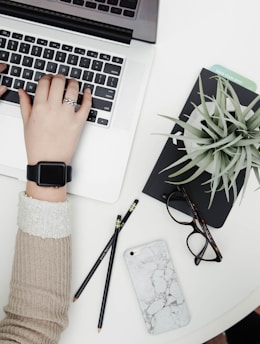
[{"x": 40, "y": 285}]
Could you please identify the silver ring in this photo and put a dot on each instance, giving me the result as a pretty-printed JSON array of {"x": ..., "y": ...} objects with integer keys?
[{"x": 70, "y": 101}]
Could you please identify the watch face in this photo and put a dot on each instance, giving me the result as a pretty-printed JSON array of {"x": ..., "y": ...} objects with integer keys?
[{"x": 53, "y": 174}]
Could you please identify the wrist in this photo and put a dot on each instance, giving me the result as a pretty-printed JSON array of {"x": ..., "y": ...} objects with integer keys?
[{"x": 49, "y": 194}]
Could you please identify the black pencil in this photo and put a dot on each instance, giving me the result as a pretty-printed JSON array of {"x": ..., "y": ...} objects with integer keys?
[
  {"x": 104, "y": 252},
  {"x": 109, "y": 272}
]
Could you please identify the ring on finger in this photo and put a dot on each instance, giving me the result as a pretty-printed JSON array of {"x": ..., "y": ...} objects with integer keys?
[{"x": 70, "y": 101}]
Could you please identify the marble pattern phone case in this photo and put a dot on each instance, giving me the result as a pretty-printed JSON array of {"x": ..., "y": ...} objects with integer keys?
[{"x": 156, "y": 286}]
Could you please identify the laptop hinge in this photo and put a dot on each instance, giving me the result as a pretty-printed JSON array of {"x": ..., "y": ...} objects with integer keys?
[{"x": 65, "y": 21}]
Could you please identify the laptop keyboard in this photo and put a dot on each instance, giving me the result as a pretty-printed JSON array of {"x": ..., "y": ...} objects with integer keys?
[
  {"x": 29, "y": 58},
  {"x": 125, "y": 8}
]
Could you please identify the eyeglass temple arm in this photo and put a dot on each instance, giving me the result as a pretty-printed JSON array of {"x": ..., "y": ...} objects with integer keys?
[{"x": 199, "y": 257}]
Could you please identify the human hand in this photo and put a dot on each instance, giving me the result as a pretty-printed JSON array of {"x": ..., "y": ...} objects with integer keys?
[
  {"x": 52, "y": 128},
  {"x": 2, "y": 88}
]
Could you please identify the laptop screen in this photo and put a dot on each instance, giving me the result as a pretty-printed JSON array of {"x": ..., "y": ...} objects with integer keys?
[{"x": 119, "y": 20}]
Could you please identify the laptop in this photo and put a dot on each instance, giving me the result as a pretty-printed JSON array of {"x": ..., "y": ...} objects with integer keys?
[{"x": 107, "y": 45}]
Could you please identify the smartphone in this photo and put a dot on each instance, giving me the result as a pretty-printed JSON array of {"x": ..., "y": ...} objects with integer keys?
[{"x": 156, "y": 286}]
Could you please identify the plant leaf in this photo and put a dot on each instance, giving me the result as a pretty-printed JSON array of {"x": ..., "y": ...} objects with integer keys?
[{"x": 195, "y": 131}]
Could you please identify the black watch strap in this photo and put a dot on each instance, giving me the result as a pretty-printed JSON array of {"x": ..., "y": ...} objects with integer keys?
[{"x": 46, "y": 173}]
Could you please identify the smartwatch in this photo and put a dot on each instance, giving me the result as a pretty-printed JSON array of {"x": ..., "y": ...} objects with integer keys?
[{"x": 45, "y": 173}]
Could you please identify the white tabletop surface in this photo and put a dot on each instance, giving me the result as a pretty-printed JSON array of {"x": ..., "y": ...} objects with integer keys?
[{"x": 191, "y": 35}]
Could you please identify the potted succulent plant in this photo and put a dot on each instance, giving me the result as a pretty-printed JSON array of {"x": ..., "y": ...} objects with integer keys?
[{"x": 220, "y": 136}]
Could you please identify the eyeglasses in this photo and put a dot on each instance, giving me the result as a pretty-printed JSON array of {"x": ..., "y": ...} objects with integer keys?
[{"x": 200, "y": 241}]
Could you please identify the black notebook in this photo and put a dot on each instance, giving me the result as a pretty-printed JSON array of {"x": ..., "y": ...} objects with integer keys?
[{"x": 157, "y": 185}]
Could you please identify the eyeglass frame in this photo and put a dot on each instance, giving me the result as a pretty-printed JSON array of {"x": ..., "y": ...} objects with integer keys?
[{"x": 203, "y": 231}]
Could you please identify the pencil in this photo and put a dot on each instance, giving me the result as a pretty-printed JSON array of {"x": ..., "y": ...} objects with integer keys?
[
  {"x": 104, "y": 252},
  {"x": 109, "y": 272}
]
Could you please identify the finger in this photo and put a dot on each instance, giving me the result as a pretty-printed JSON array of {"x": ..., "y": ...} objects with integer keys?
[
  {"x": 25, "y": 105},
  {"x": 57, "y": 89},
  {"x": 43, "y": 89},
  {"x": 72, "y": 92},
  {"x": 86, "y": 103},
  {"x": 2, "y": 67},
  {"x": 2, "y": 90}
]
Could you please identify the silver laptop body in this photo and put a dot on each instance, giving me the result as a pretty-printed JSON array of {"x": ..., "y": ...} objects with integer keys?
[{"x": 123, "y": 38}]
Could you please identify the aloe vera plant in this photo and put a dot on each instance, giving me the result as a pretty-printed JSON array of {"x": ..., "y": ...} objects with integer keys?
[{"x": 227, "y": 140}]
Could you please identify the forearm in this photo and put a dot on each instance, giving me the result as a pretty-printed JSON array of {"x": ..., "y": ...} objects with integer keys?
[{"x": 40, "y": 283}]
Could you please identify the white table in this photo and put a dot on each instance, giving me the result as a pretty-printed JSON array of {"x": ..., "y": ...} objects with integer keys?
[{"x": 191, "y": 35}]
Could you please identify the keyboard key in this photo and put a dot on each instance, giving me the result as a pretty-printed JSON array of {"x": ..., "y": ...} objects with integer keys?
[
  {"x": 97, "y": 65},
  {"x": 2, "y": 42},
  {"x": 24, "y": 48},
  {"x": 66, "y": 47},
  {"x": 78, "y": 2},
  {"x": 116, "y": 10},
  {"x": 36, "y": 51},
  {"x": 39, "y": 64},
  {"x": 100, "y": 79},
  {"x": 27, "y": 61},
  {"x": 16, "y": 71},
  {"x": 75, "y": 73},
  {"x": 60, "y": 56},
  {"x": 103, "y": 92},
  {"x": 92, "y": 115},
  {"x": 28, "y": 74},
  {"x": 38, "y": 76},
  {"x": 118, "y": 60},
  {"x": 12, "y": 45},
  {"x": 105, "y": 57},
  {"x": 5, "y": 33},
  {"x": 90, "y": 86},
  {"x": 112, "y": 69},
  {"x": 131, "y": 4},
  {"x": 79, "y": 51},
  {"x": 31, "y": 87},
  {"x": 29, "y": 39},
  {"x": 90, "y": 4},
  {"x": 112, "y": 2},
  {"x": 101, "y": 104},
  {"x": 112, "y": 81},
  {"x": 63, "y": 69},
  {"x": 42, "y": 42},
  {"x": 15, "y": 58},
  {"x": 7, "y": 81},
  {"x": 55, "y": 45},
  {"x": 88, "y": 76},
  {"x": 84, "y": 62},
  {"x": 4, "y": 56},
  {"x": 128, "y": 13},
  {"x": 17, "y": 35},
  {"x": 73, "y": 59},
  {"x": 51, "y": 67},
  {"x": 102, "y": 121},
  {"x": 48, "y": 53},
  {"x": 103, "y": 8},
  {"x": 93, "y": 54},
  {"x": 18, "y": 84}
]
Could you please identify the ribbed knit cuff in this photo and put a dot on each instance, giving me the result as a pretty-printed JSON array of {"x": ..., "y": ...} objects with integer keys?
[{"x": 44, "y": 219}]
